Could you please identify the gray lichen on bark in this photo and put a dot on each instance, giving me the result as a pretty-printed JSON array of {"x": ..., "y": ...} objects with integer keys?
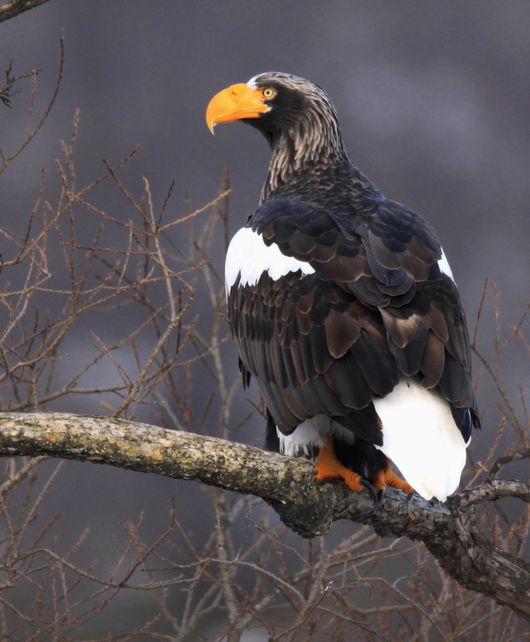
[
  {"x": 15, "y": 7},
  {"x": 289, "y": 485}
]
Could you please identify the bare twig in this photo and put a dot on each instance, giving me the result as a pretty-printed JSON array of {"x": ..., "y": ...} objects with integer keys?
[{"x": 33, "y": 130}]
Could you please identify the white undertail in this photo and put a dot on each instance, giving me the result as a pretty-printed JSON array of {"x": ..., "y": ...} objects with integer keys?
[{"x": 421, "y": 438}]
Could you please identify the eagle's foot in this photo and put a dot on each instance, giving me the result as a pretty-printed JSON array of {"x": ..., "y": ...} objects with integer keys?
[
  {"x": 375, "y": 494},
  {"x": 389, "y": 478},
  {"x": 329, "y": 467}
]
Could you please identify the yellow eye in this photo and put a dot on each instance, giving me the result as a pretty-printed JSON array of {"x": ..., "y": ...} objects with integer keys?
[{"x": 268, "y": 92}]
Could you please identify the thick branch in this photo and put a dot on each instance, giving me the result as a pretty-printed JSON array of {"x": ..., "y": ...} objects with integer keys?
[{"x": 288, "y": 485}]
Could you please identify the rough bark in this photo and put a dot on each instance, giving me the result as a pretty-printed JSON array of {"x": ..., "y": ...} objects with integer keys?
[
  {"x": 288, "y": 485},
  {"x": 14, "y": 7}
]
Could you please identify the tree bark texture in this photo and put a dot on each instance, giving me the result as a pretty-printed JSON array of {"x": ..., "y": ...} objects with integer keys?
[
  {"x": 289, "y": 485},
  {"x": 14, "y": 7}
]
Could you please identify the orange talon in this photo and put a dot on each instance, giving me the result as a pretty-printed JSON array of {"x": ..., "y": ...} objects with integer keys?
[
  {"x": 389, "y": 478},
  {"x": 329, "y": 467}
]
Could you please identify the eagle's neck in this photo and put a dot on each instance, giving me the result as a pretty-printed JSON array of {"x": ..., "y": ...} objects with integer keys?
[
  {"x": 309, "y": 148},
  {"x": 320, "y": 173}
]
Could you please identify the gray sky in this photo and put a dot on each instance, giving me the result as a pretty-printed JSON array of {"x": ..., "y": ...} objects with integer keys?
[{"x": 433, "y": 100}]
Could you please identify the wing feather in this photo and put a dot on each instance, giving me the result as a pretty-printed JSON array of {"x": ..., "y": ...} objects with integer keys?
[{"x": 376, "y": 308}]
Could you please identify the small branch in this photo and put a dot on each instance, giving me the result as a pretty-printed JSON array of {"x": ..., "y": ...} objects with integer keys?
[
  {"x": 14, "y": 7},
  {"x": 289, "y": 486},
  {"x": 491, "y": 491},
  {"x": 508, "y": 459},
  {"x": 33, "y": 130},
  {"x": 7, "y": 90}
]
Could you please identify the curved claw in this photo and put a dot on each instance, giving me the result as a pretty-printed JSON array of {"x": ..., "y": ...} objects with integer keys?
[{"x": 375, "y": 494}]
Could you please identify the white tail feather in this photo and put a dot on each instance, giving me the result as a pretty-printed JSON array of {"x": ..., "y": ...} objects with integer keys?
[{"x": 421, "y": 438}]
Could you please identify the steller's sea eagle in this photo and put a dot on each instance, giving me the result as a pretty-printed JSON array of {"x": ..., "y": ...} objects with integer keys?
[{"x": 343, "y": 306}]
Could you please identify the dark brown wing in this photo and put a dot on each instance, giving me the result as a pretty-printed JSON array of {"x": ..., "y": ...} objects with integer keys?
[
  {"x": 377, "y": 307},
  {"x": 314, "y": 350},
  {"x": 380, "y": 256}
]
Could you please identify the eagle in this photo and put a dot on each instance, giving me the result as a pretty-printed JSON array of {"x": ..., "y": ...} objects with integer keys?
[{"x": 344, "y": 308}]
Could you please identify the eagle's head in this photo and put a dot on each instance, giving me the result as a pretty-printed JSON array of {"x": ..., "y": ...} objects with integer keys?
[{"x": 295, "y": 116}]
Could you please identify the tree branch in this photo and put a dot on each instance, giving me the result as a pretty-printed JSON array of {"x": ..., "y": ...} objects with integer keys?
[
  {"x": 289, "y": 486},
  {"x": 492, "y": 490},
  {"x": 14, "y": 7}
]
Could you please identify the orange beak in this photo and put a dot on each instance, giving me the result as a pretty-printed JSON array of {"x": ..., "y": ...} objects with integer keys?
[{"x": 235, "y": 102}]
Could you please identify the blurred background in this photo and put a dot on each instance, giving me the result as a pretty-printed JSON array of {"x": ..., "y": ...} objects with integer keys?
[{"x": 434, "y": 106}]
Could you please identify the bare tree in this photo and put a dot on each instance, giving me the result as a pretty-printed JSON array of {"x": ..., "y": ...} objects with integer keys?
[{"x": 454, "y": 571}]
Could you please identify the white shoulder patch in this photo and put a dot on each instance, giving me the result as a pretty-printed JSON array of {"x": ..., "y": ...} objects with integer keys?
[
  {"x": 249, "y": 257},
  {"x": 421, "y": 438},
  {"x": 444, "y": 266}
]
